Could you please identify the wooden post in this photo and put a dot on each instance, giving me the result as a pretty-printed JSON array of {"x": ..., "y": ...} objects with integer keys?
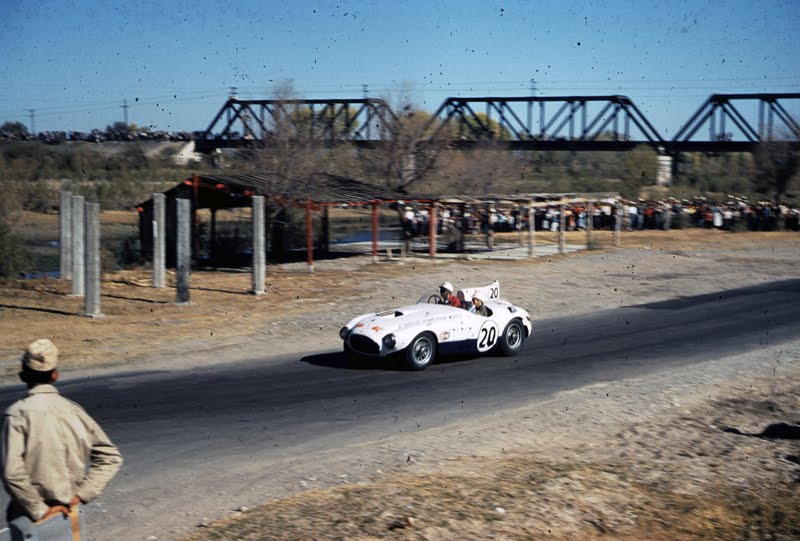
[
  {"x": 618, "y": 226},
  {"x": 531, "y": 230},
  {"x": 309, "y": 237},
  {"x": 195, "y": 222},
  {"x": 375, "y": 231},
  {"x": 589, "y": 224},
  {"x": 432, "y": 222},
  {"x": 562, "y": 225},
  {"x": 212, "y": 237}
]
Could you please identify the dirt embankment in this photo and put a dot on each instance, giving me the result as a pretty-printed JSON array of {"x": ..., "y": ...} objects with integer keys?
[{"x": 707, "y": 453}]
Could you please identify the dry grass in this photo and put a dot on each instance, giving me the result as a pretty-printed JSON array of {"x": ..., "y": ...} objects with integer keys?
[{"x": 689, "y": 481}]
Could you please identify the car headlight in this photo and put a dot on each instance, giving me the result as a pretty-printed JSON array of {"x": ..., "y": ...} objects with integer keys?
[
  {"x": 389, "y": 341},
  {"x": 343, "y": 332}
]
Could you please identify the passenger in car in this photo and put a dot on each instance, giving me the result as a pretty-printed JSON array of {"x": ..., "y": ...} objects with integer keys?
[
  {"x": 478, "y": 303},
  {"x": 446, "y": 292}
]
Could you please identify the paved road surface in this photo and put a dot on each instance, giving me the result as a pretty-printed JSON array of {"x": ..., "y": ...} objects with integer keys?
[{"x": 208, "y": 440}]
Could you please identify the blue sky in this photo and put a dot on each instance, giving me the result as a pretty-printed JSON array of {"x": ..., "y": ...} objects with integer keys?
[{"x": 174, "y": 61}]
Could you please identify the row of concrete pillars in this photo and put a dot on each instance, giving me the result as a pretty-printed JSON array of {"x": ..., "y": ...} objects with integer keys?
[
  {"x": 80, "y": 247},
  {"x": 79, "y": 238}
]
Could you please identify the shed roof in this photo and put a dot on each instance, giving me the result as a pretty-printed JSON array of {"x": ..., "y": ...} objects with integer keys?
[
  {"x": 225, "y": 191},
  {"x": 526, "y": 198}
]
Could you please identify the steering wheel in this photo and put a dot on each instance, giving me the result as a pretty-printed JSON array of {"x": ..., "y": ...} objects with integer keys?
[{"x": 435, "y": 299}]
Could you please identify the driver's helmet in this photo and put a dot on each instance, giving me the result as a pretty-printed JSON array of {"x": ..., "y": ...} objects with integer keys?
[
  {"x": 447, "y": 286},
  {"x": 480, "y": 295}
]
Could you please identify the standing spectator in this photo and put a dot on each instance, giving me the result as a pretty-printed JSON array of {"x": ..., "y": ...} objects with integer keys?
[{"x": 48, "y": 442}]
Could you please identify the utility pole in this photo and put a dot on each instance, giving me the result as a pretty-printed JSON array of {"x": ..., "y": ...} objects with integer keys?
[
  {"x": 365, "y": 90},
  {"x": 533, "y": 87},
  {"x": 125, "y": 110},
  {"x": 33, "y": 121}
]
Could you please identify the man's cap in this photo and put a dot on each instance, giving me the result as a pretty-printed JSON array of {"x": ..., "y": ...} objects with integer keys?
[
  {"x": 448, "y": 286},
  {"x": 41, "y": 356},
  {"x": 480, "y": 295}
]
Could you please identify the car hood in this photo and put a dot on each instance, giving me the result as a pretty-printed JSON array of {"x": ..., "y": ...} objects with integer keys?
[{"x": 399, "y": 318}]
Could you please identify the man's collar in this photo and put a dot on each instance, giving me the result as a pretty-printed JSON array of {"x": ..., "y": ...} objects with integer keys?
[{"x": 43, "y": 388}]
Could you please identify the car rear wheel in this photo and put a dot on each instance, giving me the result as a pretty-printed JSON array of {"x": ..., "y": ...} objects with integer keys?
[
  {"x": 513, "y": 338},
  {"x": 421, "y": 352}
]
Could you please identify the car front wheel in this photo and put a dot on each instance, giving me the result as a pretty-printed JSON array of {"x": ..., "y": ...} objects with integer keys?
[
  {"x": 513, "y": 338},
  {"x": 421, "y": 352}
]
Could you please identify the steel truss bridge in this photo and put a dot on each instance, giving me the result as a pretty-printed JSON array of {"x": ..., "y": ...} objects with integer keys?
[{"x": 723, "y": 123}]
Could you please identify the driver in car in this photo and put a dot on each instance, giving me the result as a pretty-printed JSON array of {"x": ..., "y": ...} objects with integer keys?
[
  {"x": 478, "y": 306},
  {"x": 446, "y": 292}
]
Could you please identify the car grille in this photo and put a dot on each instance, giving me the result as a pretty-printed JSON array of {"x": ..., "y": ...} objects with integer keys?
[{"x": 364, "y": 345}]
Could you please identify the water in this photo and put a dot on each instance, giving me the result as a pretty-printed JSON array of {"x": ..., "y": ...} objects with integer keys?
[
  {"x": 366, "y": 236},
  {"x": 45, "y": 274}
]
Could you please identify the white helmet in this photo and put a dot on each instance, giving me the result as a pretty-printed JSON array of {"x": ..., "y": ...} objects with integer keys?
[
  {"x": 448, "y": 286},
  {"x": 480, "y": 295}
]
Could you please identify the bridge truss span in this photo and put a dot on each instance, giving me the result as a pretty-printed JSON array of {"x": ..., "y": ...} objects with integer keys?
[
  {"x": 553, "y": 122},
  {"x": 738, "y": 122},
  {"x": 242, "y": 123},
  {"x": 734, "y": 122}
]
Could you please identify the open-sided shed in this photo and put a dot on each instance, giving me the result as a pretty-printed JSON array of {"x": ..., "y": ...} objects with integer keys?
[{"x": 315, "y": 193}]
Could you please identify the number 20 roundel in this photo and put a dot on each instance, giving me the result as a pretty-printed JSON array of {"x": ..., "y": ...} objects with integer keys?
[{"x": 488, "y": 336}]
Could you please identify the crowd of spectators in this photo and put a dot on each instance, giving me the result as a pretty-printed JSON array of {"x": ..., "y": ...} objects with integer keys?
[
  {"x": 99, "y": 136},
  {"x": 736, "y": 214}
]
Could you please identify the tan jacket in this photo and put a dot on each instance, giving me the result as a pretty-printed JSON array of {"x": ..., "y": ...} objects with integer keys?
[{"x": 48, "y": 441}]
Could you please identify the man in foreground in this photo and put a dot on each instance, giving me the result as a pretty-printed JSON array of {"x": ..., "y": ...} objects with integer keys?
[{"x": 47, "y": 443}]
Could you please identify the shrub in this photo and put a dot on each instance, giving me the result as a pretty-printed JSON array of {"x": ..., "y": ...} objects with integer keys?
[{"x": 16, "y": 259}]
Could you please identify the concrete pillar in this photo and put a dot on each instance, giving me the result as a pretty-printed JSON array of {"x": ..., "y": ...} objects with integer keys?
[
  {"x": 78, "y": 248},
  {"x": 562, "y": 225},
  {"x": 618, "y": 225},
  {"x": 259, "y": 246},
  {"x": 65, "y": 235},
  {"x": 664, "y": 173},
  {"x": 159, "y": 240},
  {"x": 92, "y": 231},
  {"x": 183, "y": 244},
  {"x": 531, "y": 231}
]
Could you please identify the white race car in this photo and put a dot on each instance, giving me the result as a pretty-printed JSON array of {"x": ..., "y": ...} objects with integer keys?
[{"x": 421, "y": 331}]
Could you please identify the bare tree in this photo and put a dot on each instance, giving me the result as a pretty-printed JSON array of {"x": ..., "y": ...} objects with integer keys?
[{"x": 777, "y": 163}]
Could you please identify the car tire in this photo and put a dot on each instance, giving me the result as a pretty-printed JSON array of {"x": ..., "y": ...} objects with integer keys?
[
  {"x": 421, "y": 352},
  {"x": 352, "y": 355},
  {"x": 513, "y": 338}
]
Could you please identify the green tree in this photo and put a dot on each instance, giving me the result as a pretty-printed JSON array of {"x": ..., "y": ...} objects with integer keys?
[
  {"x": 15, "y": 129},
  {"x": 16, "y": 258},
  {"x": 639, "y": 169}
]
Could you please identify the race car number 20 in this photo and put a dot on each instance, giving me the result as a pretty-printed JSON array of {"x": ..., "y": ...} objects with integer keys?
[{"x": 487, "y": 337}]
